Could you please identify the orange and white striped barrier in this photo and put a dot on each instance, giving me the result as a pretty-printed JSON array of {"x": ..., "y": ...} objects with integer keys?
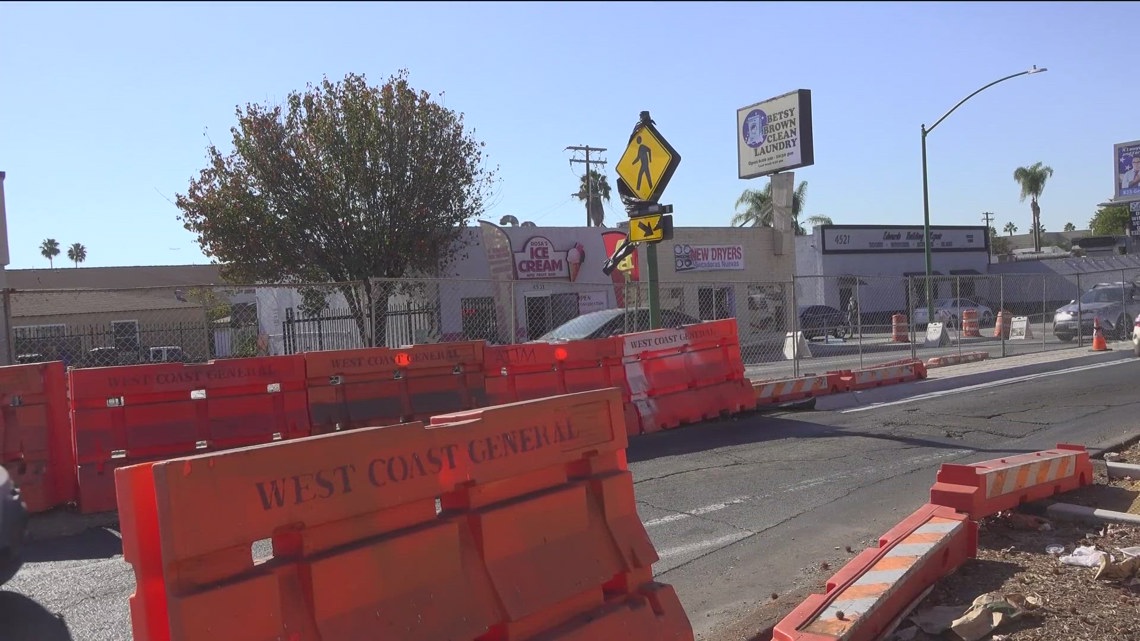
[
  {"x": 869, "y": 593},
  {"x": 890, "y": 374},
  {"x": 793, "y": 389},
  {"x": 989, "y": 487},
  {"x": 957, "y": 359}
]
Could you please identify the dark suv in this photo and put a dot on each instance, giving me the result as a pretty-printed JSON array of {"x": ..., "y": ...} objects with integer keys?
[{"x": 1115, "y": 303}]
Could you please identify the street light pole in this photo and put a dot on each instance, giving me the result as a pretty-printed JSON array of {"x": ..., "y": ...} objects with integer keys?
[{"x": 926, "y": 189}]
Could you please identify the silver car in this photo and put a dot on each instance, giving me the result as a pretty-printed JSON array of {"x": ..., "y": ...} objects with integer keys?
[{"x": 1116, "y": 304}]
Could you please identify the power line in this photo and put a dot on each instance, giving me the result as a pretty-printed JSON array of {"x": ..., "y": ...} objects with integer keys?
[{"x": 589, "y": 178}]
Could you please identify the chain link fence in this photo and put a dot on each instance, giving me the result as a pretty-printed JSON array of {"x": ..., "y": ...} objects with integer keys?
[{"x": 846, "y": 322}]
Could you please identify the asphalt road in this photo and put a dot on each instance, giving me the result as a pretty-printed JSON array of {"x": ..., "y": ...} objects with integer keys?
[{"x": 739, "y": 510}]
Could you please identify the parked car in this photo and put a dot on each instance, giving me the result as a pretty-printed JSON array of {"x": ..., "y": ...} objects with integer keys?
[
  {"x": 821, "y": 320},
  {"x": 167, "y": 354},
  {"x": 948, "y": 311},
  {"x": 1115, "y": 303},
  {"x": 13, "y": 526},
  {"x": 613, "y": 322}
]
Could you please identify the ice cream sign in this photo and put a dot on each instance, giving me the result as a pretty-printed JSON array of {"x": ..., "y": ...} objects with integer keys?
[{"x": 539, "y": 259}]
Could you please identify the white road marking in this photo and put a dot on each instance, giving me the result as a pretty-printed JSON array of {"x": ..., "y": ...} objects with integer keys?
[
  {"x": 715, "y": 507},
  {"x": 984, "y": 386},
  {"x": 702, "y": 545}
]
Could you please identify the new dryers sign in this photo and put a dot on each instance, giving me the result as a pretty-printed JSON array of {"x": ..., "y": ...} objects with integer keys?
[{"x": 707, "y": 258}]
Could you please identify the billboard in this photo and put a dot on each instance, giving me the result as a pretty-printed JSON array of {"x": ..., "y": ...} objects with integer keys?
[
  {"x": 775, "y": 135},
  {"x": 1126, "y": 156},
  {"x": 903, "y": 239}
]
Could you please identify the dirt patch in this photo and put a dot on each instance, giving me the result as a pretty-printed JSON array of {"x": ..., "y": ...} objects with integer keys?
[
  {"x": 1074, "y": 606},
  {"x": 1130, "y": 455}
]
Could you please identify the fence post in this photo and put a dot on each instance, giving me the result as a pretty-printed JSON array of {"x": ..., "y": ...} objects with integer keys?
[
  {"x": 958, "y": 304},
  {"x": 795, "y": 332},
  {"x": 859, "y": 320},
  {"x": 911, "y": 296},
  {"x": 7, "y": 350},
  {"x": 1080, "y": 319},
  {"x": 1000, "y": 313},
  {"x": 1123, "y": 306},
  {"x": 1044, "y": 307}
]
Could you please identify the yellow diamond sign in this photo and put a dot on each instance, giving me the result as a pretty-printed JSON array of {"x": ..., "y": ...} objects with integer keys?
[{"x": 648, "y": 163}]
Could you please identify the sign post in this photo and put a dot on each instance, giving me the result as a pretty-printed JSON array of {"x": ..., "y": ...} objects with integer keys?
[{"x": 644, "y": 171}]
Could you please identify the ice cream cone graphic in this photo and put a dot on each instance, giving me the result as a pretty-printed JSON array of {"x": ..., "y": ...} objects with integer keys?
[{"x": 574, "y": 259}]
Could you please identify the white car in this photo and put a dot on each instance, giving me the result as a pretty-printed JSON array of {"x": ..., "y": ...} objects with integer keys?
[{"x": 947, "y": 310}]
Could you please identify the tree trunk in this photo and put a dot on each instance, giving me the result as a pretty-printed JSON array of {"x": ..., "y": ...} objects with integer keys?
[{"x": 1036, "y": 225}]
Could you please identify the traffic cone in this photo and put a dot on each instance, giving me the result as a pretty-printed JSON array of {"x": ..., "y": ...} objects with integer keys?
[{"x": 1099, "y": 344}]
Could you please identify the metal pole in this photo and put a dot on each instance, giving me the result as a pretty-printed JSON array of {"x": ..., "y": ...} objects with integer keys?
[
  {"x": 910, "y": 320},
  {"x": 1080, "y": 313},
  {"x": 654, "y": 302},
  {"x": 1044, "y": 299},
  {"x": 859, "y": 321},
  {"x": 926, "y": 231},
  {"x": 958, "y": 303},
  {"x": 1000, "y": 312},
  {"x": 795, "y": 332}
]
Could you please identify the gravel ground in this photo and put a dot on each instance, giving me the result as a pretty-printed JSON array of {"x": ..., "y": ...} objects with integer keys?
[{"x": 1073, "y": 605}]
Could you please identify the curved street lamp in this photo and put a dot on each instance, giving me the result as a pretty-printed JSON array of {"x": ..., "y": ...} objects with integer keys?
[{"x": 926, "y": 189}]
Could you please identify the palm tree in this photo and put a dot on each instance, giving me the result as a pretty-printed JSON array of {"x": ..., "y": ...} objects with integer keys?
[
  {"x": 77, "y": 253},
  {"x": 49, "y": 249},
  {"x": 758, "y": 208},
  {"x": 1032, "y": 180},
  {"x": 1070, "y": 227},
  {"x": 1010, "y": 229},
  {"x": 594, "y": 189},
  {"x": 817, "y": 220}
]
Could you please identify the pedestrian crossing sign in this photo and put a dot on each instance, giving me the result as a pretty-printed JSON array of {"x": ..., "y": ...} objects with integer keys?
[{"x": 648, "y": 163}]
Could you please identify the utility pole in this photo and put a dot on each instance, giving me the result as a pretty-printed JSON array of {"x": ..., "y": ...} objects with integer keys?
[
  {"x": 587, "y": 161},
  {"x": 988, "y": 216}
]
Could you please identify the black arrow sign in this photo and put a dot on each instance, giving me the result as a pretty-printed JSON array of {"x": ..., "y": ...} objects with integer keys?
[{"x": 646, "y": 228}]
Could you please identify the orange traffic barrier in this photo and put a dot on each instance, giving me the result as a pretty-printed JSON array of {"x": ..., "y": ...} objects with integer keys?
[
  {"x": 686, "y": 375},
  {"x": 890, "y": 374},
  {"x": 956, "y": 359},
  {"x": 900, "y": 333},
  {"x": 380, "y": 386},
  {"x": 865, "y": 597},
  {"x": 35, "y": 434},
  {"x": 536, "y": 370},
  {"x": 989, "y": 487},
  {"x": 796, "y": 389},
  {"x": 970, "y": 323},
  {"x": 125, "y": 415},
  {"x": 1003, "y": 324},
  {"x": 535, "y": 534},
  {"x": 1099, "y": 344}
]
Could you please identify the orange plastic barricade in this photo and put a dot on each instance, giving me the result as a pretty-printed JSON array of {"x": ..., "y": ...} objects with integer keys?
[
  {"x": 536, "y": 370},
  {"x": 35, "y": 435},
  {"x": 868, "y": 594},
  {"x": 986, "y": 488},
  {"x": 535, "y": 534},
  {"x": 686, "y": 375},
  {"x": 124, "y": 415},
  {"x": 381, "y": 386}
]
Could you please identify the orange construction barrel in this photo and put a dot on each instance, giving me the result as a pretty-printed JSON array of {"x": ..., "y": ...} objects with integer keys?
[{"x": 899, "y": 333}]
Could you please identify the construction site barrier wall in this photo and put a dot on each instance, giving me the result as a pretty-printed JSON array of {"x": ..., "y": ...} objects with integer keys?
[
  {"x": 380, "y": 386},
  {"x": 686, "y": 375},
  {"x": 863, "y": 599},
  {"x": 126, "y": 415},
  {"x": 888, "y": 374},
  {"x": 35, "y": 434},
  {"x": 507, "y": 523},
  {"x": 986, "y": 488},
  {"x": 536, "y": 370}
]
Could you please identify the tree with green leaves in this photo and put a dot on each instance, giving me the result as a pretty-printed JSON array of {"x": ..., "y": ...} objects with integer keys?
[
  {"x": 758, "y": 209},
  {"x": 1070, "y": 227},
  {"x": 1110, "y": 221},
  {"x": 1000, "y": 245},
  {"x": 1032, "y": 180},
  {"x": 1010, "y": 229},
  {"x": 77, "y": 253},
  {"x": 594, "y": 189},
  {"x": 816, "y": 221},
  {"x": 49, "y": 249},
  {"x": 343, "y": 183}
]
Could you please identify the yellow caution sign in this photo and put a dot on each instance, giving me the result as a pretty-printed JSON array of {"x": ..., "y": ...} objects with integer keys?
[{"x": 648, "y": 163}]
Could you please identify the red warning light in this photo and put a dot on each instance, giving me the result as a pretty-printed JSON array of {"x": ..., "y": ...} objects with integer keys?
[
  {"x": 403, "y": 359},
  {"x": 560, "y": 353}
]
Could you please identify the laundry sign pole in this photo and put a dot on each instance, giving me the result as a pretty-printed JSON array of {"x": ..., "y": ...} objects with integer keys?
[{"x": 644, "y": 171}]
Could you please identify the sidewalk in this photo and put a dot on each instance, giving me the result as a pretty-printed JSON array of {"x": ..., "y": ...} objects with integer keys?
[{"x": 1037, "y": 358}]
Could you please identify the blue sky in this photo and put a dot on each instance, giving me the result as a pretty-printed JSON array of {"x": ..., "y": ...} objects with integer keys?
[{"x": 106, "y": 106}]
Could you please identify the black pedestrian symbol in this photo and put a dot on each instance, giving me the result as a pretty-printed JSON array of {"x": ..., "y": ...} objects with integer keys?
[{"x": 644, "y": 157}]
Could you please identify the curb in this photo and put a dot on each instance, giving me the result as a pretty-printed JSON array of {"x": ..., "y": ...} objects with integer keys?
[
  {"x": 1084, "y": 514},
  {"x": 1122, "y": 470}
]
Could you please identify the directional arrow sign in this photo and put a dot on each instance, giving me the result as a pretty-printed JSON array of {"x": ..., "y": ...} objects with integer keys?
[
  {"x": 653, "y": 228},
  {"x": 648, "y": 163}
]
